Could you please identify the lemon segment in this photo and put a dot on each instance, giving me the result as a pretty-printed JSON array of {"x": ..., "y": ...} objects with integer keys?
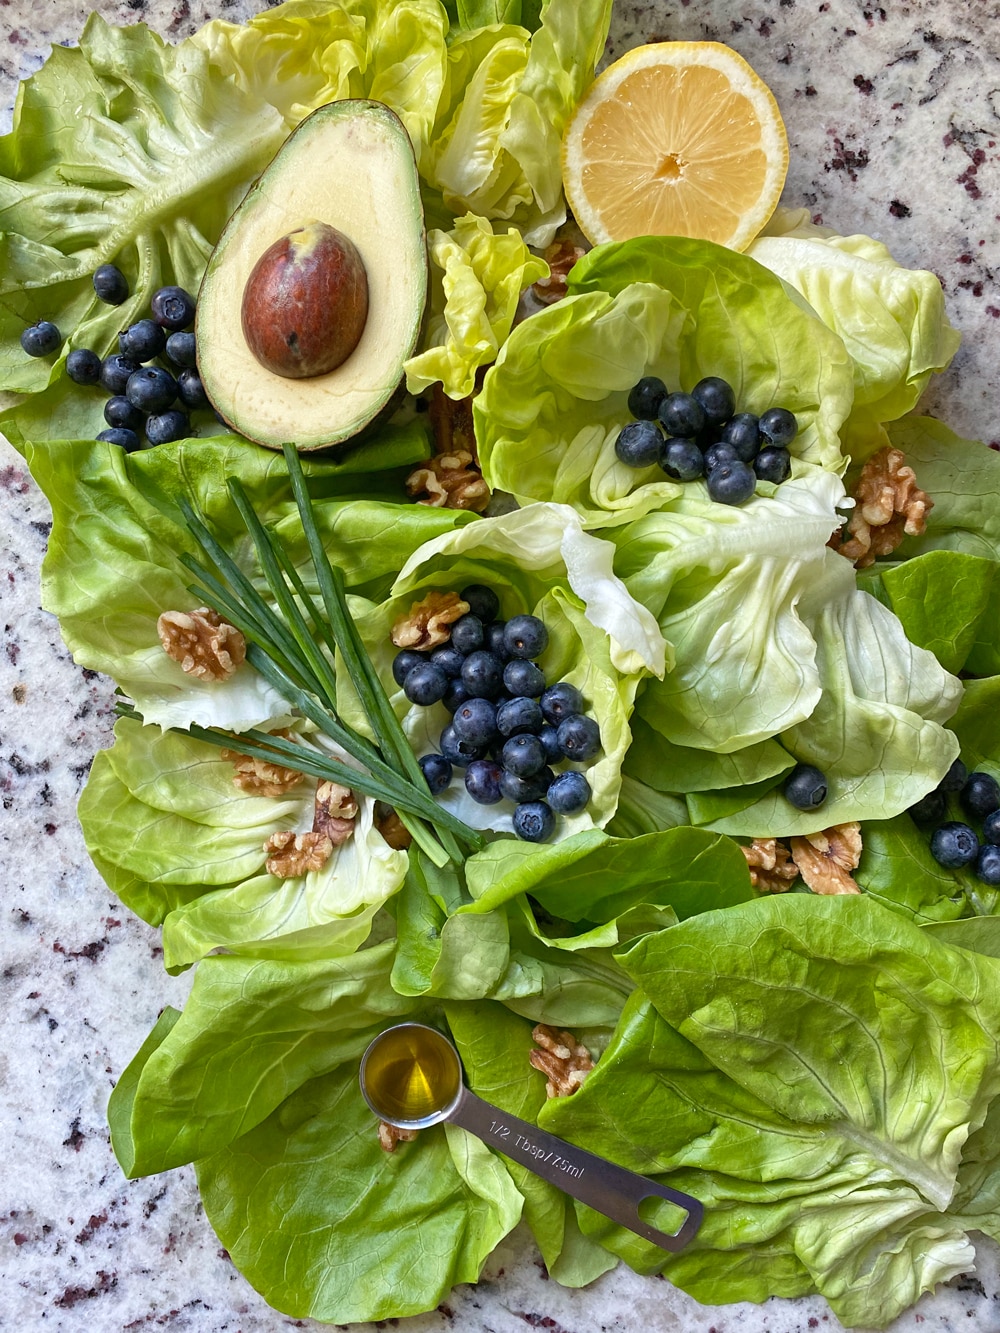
[{"x": 676, "y": 139}]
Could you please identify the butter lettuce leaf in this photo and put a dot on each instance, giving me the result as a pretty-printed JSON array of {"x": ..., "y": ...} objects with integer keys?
[
  {"x": 892, "y": 319},
  {"x": 820, "y": 1073},
  {"x": 552, "y": 407},
  {"x": 477, "y": 276}
]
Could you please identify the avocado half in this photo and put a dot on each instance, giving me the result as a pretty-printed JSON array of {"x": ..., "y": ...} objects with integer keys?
[{"x": 349, "y": 164}]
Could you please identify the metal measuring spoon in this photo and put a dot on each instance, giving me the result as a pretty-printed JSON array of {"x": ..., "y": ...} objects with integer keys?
[{"x": 411, "y": 1077}]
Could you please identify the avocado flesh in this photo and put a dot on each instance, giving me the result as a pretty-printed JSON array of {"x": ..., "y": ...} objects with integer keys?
[{"x": 349, "y": 164}]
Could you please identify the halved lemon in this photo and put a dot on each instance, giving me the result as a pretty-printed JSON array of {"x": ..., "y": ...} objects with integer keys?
[{"x": 676, "y": 139}]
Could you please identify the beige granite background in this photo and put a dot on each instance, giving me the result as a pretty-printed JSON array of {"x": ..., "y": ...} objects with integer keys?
[{"x": 893, "y": 114}]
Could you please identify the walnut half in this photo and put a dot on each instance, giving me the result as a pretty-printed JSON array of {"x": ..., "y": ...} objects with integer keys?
[
  {"x": 563, "y": 1060},
  {"x": 826, "y": 859},
  {"x": 772, "y": 869},
  {"x": 204, "y": 644},
  {"x": 335, "y": 811},
  {"x": 261, "y": 777},
  {"x": 889, "y": 505},
  {"x": 390, "y": 1135},
  {"x": 428, "y": 622},
  {"x": 449, "y": 481},
  {"x": 290, "y": 854}
]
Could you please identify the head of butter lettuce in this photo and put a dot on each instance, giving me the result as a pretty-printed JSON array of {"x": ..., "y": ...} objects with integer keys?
[
  {"x": 552, "y": 406},
  {"x": 114, "y": 558},
  {"x": 541, "y": 562}
]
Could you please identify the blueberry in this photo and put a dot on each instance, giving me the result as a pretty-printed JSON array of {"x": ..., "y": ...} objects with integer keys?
[
  {"x": 718, "y": 453},
  {"x": 560, "y": 700},
  {"x": 521, "y": 677},
  {"x": 455, "y": 695},
  {"x": 778, "y": 426},
  {"x": 437, "y": 772},
  {"x": 682, "y": 415},
  {"x": 118, "y": 411},
  {"x": 645, "y": 397},
  {"x": 525, "y": 636},
  {"x": 569, "y": 793},
  {"x": 482, "y": 674},
  {"x": 930, "y": 809},
  {"x": 425, "y": 684},
  {"x": 954, "y": 845},
  {"x": 181, "y": 349},
  {"x": 483, "y": 601},
  {"x": 142, "y": 340},
  {"x": 549, "y": 736},
  {"x": 457, "y": 751},
  {"x": 127, "y": 439},
  {"x": 534, "y": 821},
  {"x": 191, "y": 391},
  {"x": 517, "y": 789},
  {"x": 991, "y": 827},
  {"x": 116, "y": 371},
  {"x": 151, "y": 389},
  {"x": 716, "y": 398},
  {"x": 579, "y": 737},
  {"x": 467, "y": 633},
  {"x": 110, "y": 284},
  {"x": 980, "y": 796},
  {"x": 165, "y": 427},
  {"x": 475, "y": 721},
  {"x": 172, "y": 307},
  {"x": 731, "y": 483},
  {"x": 805, "y": 787},
  {"x": 639, "y": 444},
  {"x": 682, "y": 460},
  {"x": 83, "y": 366},
  {"x": 482, "y": 781},
  {"x": 954, "y": 779},
  {"x": 519, "y": 715},
  {"x": 741, "y": 432},
  {"x": 41, "y": 339},
  {"x": 449, "y": 659},
  {"x": 988, "y": 864},
  {"x": 773, "y": 463},
  {"x": 493, "y": 642},
  {"x": 523, "y": 755},
  {"x": 404, "y": 662}
]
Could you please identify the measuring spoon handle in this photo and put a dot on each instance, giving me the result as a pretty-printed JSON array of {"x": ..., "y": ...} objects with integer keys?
[{"x": 610, "y": 1189}]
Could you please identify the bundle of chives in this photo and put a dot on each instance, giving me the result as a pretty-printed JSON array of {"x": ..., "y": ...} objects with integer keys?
[{"x": 290, "y": 655}]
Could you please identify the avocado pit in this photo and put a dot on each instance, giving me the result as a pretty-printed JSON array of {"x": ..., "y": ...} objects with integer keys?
[{"x": 305, "y": 303}]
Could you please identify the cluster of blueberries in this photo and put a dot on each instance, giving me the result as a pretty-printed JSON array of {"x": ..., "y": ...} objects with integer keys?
[
  {"x": 954, "y": 843},
  {"x": 508, "y": 727},
  {"x": 700, "y": 434},
  {"x": 147, "y": 399}
]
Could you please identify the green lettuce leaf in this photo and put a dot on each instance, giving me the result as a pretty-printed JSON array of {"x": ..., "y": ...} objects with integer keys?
[
  {"x": 552, "y": 407},
  {"x": 818, "y": 1071},
  {"x": 124, "y": 150},
  {"x": 892, "y": 319},
  {"x": 257, "y": 1081},
  {"x": 113, "y": 563},
  {"x": 477, "y": 279},
  {"x": 946, "y": 602},
  {"x": 507, "y": 97},
  {"x": 164, "y": 809},
  {"x": 961, "y": 477}
]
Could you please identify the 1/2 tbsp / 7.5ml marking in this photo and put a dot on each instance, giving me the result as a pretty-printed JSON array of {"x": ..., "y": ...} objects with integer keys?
[{"x": 523, "y": 1146}]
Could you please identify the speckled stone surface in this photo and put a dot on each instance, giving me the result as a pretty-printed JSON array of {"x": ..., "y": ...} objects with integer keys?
[{"x": 893, "y": 115}]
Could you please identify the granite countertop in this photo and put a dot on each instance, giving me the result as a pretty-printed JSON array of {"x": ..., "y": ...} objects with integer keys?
[{"x": 893, "y": 116}]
